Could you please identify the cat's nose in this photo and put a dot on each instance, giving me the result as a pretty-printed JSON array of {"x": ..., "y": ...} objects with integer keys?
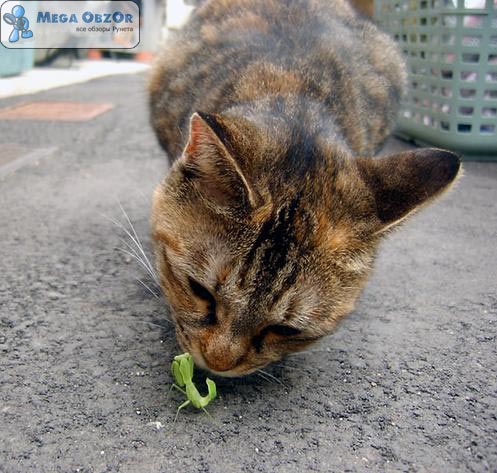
[
  {"x": 221, "y": 357},
  {"x": 220, "y": 364}
]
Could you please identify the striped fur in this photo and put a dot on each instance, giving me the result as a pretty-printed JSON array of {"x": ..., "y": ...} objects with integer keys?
[{"x": 264, "y": 107}]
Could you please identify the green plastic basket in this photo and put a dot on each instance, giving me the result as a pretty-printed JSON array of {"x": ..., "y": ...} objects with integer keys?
[{"x": 451, "y": 51}]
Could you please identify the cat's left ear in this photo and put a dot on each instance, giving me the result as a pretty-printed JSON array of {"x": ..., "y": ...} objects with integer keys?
[
  {"x": 211, "y": 160},
  {"x": 403, "y": 182}
]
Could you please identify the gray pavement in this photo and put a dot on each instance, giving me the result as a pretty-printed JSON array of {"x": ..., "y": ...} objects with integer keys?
[{"x": 407, "y": 382}]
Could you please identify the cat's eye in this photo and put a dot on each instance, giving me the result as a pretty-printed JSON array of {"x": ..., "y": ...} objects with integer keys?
[
  {"x": 200, "y": 291},
  {"x": 283, "y": 330},
  {"x": 204, "y": 294},
  {"x": 278, "y": 329}
]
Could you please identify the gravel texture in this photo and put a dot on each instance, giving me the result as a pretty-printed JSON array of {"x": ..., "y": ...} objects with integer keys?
[{"x": 406, "y": 383}]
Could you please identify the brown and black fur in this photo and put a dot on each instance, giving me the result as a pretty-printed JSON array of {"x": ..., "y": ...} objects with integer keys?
[
  {"x": 234, "y": 52},
  {"x": 267, "y": 225}
]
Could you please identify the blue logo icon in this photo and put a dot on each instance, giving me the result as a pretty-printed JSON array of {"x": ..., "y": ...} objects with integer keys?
[{"x": 19, "y": 23}]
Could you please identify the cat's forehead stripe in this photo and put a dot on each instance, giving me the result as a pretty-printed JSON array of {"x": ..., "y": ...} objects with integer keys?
[{"x": 269, "y": 253}]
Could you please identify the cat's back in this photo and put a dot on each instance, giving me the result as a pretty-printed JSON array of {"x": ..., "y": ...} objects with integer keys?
[{"x": 233, "y": 51}]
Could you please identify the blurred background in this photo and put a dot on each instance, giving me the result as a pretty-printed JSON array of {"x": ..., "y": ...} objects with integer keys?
[{"x": 29, "y": 69}]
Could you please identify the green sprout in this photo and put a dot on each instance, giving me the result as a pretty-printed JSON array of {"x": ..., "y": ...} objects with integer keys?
[{"x": 182, "y": 369}]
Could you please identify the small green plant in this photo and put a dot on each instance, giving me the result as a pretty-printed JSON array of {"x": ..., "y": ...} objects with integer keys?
[{"x": 182, "y": 370}]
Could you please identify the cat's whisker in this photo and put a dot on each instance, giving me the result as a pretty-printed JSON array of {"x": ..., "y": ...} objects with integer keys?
[
  {"x": 154, "y": 347},
  {"x": 307, "y": 352},
  {"x": 286, "y": 361},
  {"x": 140, "y": 261},
  {"x": 147, "y": 288},
  {"x": 298, "y": 369},
  {"x": 265, "y": 378},
  {"x": 153, "y": 324},
  {"x": 123, "y": 317},
  {"x": 270, "y": 376},
  {"x": 125, "y": 230},
  {"x": 133, "y": 250},
  {"x": 139, "y": 244},
  {"x": 146, "y": 262}
]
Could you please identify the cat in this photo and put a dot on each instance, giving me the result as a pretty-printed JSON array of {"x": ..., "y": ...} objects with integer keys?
[{"x": 266, "y": 227}]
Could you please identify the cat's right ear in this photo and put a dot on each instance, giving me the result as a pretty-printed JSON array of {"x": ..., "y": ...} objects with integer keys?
[
  {"x": 210, "y": 161},
  {"x": 402, "y": 183}
]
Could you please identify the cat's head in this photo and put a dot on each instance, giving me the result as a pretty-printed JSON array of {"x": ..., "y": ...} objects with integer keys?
[{"x": 264, "y": 239}]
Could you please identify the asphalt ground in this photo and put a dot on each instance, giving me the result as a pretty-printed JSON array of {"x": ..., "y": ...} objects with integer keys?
[{"x": 406, "y": 383}]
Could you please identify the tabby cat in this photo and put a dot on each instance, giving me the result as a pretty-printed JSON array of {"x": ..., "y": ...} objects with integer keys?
[{"x": 266, "y": 227}]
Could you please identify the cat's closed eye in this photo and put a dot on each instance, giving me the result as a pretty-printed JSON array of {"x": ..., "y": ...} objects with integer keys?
[
  {"x": 201, "y": 292},
  {"x": 283, "y": 330},
  {"x": 280, "y": 330}
]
